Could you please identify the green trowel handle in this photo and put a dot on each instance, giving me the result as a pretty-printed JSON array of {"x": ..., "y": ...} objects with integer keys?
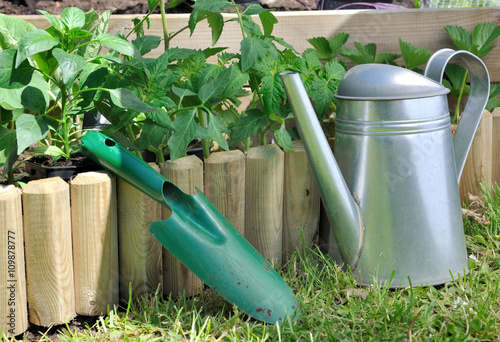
[{"x": 108, "y": 153}]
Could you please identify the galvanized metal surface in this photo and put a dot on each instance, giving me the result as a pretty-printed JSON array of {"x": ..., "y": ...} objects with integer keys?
[{"x": 395, "y": 156}]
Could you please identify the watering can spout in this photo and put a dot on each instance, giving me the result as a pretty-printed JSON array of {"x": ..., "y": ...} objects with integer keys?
[{"x": 343, "y": 212}]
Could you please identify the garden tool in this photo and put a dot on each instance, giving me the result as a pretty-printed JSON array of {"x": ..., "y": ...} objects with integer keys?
[
  {"x": 391, "y": 191},
  {"x": 199, "y": 236}
]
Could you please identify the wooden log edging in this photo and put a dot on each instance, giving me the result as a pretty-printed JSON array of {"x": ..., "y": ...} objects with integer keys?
[
  {"x": 95, "y": 242},
  {"x": 13, "y": 302}
]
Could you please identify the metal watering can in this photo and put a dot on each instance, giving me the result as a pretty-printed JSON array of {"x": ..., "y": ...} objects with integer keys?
[{"x": 392, "y": 200}]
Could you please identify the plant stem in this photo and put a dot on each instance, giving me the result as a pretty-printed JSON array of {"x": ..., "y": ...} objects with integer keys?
[
  {"x": 64, "y": 123},
  {"x": 164, "y": 25},
  {"x": 459, "y": 99},
  {"x": 240, "y": 19},
  {"x": 205, "y": 143}
]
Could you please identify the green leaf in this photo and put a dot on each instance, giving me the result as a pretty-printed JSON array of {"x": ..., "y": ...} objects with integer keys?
[
  {"x": 195, "y": 17},
  {"x": 11, "y": 77},
  {"x": 12, "y": 29},
  {"x": 215, "y": 86},
  {"x": 252, "y": 48},
  {"x": 272, "y": 92},
  {"x": 92, "y": 50},
  {"x": 126, "y": 99},
  {"x": 56, "y": 23},
  {"x": 181, "y": 92},
  {"x": 337, "y": 43},
  {"x": 413, "y": 57},
  {"x": 146, "y": 43},
  {"x": 7, "y": 143},
  {"x": 185, "y": 130},
  {"x": 322, "y": 95},
  {"x": 151, "y": 134},
  {"x": 161, "y": 118},
  {"x": 118, "y": 44},
  {"x": 216, "y": 23},
  {"x": 214, "y": 131},
  {"x": 33, "y": 96},
  {"x": 483, "y": 35},
  {"x": 29, "y": 130},
  {"x": 283, "y": 138},
  {"x": 321, "y": 46},
  {"x": 152, "y": 4},
  {"x": 70, "y": 64},
  {"x": 73, "y": 17},
  {"x": 34, "y": 42},
  {"x": 52, "y": 151},
  {"x": 460, "y": 37},
  {"x": 386, "y": 58},
  {"x": 248, "y": 125},
  {"x": 254, "y": 9},
  {"x": 268, "y": 21},
  {"x": 334, "y": 70},
  {"x": 457, "y": 75},
  {"x": 212, "y": 5}
]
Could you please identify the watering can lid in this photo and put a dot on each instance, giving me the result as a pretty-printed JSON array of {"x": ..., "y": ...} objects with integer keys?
[{"x": 386, "y": 82}]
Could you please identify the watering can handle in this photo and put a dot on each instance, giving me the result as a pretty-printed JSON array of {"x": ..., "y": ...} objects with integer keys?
[{"x": 478, "y": 97}]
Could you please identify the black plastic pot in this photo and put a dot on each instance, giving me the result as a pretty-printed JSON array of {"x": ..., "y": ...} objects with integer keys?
[{"x": 38, "y": 171}]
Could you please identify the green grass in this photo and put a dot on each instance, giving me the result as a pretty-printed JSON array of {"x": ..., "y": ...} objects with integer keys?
[{"x": 333, "y": 308}]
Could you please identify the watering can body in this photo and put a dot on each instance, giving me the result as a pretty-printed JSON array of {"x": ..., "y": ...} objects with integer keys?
[{"x": 391, "y": 192}]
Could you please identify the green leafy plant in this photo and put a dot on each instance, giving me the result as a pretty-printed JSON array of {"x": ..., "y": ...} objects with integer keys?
[
  {"x": 51, "y": 77},
  {"x": 480, "y": 43}
]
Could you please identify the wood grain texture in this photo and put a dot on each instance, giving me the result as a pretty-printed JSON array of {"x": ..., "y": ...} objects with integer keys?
[
  {"x": 187, "y": 174},
  {"x": 95, "y": 242},
  {"x": 495, "y": 147},
  {"x": 477, "y": 168},
  {"x": 225, "y": 185},
  {"x": 301, "y": 201},
  {"x": 48, "y": 246},
  {"x": 424, "y": 28},
  {"x": 13, "y": 308},
  {"x": 140, "y": 252},
  {"x": 264, "y": 178}
]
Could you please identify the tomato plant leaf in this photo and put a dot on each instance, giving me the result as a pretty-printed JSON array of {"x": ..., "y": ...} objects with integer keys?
[
  {"x": 248, "y": 125},
  {"x": 185, "y": 130},
  {"x": 252, "y": 48},
  {"x": 268, "y": 21},
  {"x": 214, "y": 131},
  {"x": 151, "y": 134},
  {"x": 216, "y": 23},
  {"x": 29, "y": 130},
  {"x": 126, "y": 99},
  {"x": 272, "y": 93},
  {"x": 145, "y": 44},
  {"x": 33, "y": 42},
  {"x": 212, "y": 5},
  {"x": 283, "y": 138}
]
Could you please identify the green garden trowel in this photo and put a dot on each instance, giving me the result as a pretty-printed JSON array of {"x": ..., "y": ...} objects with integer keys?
[{"x": 201, "y": 237}]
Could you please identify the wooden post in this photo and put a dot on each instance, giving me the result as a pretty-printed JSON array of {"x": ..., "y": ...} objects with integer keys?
[
  {"x": 140, "y": 252},
  {"x": 495, "y": 148},
  {"x": 13, "y": 309},
  {"x": 187, "y": 174},
  {"x": 477, "y": 168},
  {"x": 301, "y": 201},
  {"x": 225, "y": 185},
  {"x": 49, "y": 261},
  {"x": 264, "y": 200},
  {"x": 95, "y": 242}
]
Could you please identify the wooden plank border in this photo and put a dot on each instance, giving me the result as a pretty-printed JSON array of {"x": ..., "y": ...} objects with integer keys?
[{"x": 420, "y": 27}]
